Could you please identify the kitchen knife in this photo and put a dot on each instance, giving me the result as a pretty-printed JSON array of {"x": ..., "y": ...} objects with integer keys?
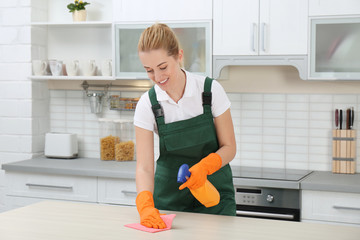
[
  {"x": 340, "y": 119},
  {"x": 337, "y": 118},
  {"x": 348, "y": 118},
  {"x": 352, "y": 117}
]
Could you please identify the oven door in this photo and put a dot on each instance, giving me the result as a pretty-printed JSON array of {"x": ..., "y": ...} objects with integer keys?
[{"x": 286, "y": 214}]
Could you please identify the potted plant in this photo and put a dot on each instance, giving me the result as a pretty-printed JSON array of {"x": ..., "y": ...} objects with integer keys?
[{"x": 78, "y": 10}]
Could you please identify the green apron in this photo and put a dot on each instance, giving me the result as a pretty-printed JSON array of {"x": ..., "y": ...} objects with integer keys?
[{"x": 188, "y": 141}]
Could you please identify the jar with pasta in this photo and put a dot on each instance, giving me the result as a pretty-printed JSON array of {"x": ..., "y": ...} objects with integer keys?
[
  {"x": 125, "y": 148},
  {"x": 108, "y": 139}
]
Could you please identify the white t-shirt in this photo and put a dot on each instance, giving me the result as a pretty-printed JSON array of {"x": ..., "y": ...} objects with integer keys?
[{"x": 189, "y": 106}]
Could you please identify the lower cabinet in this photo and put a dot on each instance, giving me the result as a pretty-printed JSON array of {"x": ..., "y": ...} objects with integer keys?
[
  {"x": 27, "y": 188},
  {"x": 117, "y": 191},
  {"x": 330, "y": 207}
]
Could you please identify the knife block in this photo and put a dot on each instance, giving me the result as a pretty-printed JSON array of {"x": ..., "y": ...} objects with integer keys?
[{"x": 344, "y": 151}]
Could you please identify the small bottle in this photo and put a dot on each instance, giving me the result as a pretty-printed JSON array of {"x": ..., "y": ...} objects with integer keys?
[{"x": 207, "y": 194}]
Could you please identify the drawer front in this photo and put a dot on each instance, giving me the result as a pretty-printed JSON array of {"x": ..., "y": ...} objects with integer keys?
[
  {"x": 52, "y": 186},
  {"x": 331, "y": 206},
  {"x": 117, "y": 191}
]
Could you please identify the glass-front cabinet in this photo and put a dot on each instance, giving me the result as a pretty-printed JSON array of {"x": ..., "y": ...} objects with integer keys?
[
  {"x": 194, "y": 38},
  {"x": 335, "y": 49}
]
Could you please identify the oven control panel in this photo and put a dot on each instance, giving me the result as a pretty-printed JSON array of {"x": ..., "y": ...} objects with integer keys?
[{"x": 267, "y": 197}]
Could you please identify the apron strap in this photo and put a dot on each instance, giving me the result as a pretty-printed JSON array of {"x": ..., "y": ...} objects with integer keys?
[
  {"x": 159, "y": 113},
  {"x": 156, "y": 108},
  {"x": 207, "y": 95}
]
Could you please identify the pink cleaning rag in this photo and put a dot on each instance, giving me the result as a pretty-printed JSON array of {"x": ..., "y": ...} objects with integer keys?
[{"x": 167, "y": 219}]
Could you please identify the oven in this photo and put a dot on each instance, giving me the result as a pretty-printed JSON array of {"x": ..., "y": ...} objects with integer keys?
[
  {"x": 270, "y": 203},
  {"x": 268, "y": 193}
]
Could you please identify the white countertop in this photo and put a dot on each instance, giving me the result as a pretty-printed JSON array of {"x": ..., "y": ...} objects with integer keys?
[
  {"x": 69, "y": 220},
  {"x": 94, "y": 167}
]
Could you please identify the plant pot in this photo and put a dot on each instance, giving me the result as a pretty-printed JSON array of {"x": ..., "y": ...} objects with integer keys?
[{"x": 79, "y": 16}]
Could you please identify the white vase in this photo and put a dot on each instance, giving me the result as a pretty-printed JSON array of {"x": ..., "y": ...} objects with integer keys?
[{"x": 79, "y": 16}]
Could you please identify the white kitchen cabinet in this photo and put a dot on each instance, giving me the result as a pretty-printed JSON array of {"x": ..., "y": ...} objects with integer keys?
[
  {"x": 333, "y": 7},
  {"x": 161, "y": 10},
  {"x": 56, "y": 36},
  {"x": 266, "y": 27},
  {"x": 117, "y": 191},
  {"x": 50, "y": 186},
  {"x": 25, "y": 188},
  {"x": 330, "y": 207}
]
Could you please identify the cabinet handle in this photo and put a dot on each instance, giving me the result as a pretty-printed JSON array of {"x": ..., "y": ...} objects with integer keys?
[
  {"x": 263, "y": 37},
  {"x": 49, "y": 186},
  {"x": 347, "y": 208},
  {"x": 129, "y": 192},
  {"x": 253, "y": 40}
]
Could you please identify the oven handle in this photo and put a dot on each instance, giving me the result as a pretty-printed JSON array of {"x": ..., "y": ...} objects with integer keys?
[{"x": 265, "y": 214}]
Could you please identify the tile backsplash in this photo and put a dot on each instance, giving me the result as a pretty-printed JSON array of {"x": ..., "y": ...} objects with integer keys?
[{"x": 272, "y": 130}]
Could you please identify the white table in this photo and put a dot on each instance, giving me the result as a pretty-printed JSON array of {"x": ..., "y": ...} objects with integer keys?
[{"x": 52, "y": 220}]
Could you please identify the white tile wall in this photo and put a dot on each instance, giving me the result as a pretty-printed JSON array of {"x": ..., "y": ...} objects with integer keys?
[
  {"x": 272, "y": 130},
  {"x": 23, "y": 103}
]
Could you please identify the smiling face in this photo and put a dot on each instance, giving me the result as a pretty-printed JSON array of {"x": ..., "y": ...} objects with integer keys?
[{"x": 162, "y": 69}]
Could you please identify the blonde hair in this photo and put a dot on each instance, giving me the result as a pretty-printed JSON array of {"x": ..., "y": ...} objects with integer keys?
[{"x": 159, "y": 36}]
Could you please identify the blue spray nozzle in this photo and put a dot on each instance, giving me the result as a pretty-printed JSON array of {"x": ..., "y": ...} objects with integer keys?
[{"x": 183, "y": 173}]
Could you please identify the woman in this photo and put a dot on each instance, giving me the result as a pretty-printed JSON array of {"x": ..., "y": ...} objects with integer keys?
[{"x": 192, "y": 129}]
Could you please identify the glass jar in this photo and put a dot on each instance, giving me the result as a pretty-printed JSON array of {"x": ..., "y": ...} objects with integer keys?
[
  {"x": 108, "y": 139},
  {"x": 125, "y": 148}
]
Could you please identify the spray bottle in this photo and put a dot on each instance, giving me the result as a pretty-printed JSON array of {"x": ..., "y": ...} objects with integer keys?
[{"x": 207, "y": 194}]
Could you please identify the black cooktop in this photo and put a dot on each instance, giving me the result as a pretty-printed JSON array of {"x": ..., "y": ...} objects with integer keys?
[{"x": 269, "y": 173}]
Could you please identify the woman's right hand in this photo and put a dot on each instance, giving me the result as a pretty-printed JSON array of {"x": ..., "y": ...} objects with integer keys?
[{"x": 149, "y": 215}]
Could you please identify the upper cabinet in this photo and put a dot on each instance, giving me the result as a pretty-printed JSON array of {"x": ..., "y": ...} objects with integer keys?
[
  {"x": 194, "y": 38},
  {"x": 161, "y": 10},
  {"x": 254, "y": 27},
  {"x": 85, "y": 45},
  {"x": 333, "y": 7}
]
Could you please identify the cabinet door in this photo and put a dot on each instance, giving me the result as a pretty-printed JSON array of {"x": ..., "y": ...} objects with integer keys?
[
  {"x": 283, "y": 27},
  {"x": 162, "y": 10},
  {"x": 235, "y": 25},
  {"x": 117, "y": 191},
  {"x": 330, "y": 207},
  {"x": 333, "y": 7},
  {"x": 52, "y": 186}
]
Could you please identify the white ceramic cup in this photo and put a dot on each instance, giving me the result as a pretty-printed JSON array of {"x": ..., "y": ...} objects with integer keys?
[
  {"x": 39, "y": 67},
  {"x": 90, "y": 68},
  {"x": 56, "y": 67},
  {"x": 72, "y": 67},
  {"x": 106, "y": 67}
]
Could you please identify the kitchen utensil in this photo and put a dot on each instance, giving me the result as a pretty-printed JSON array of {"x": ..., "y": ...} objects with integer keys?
[
  {"x": 340, "y": 118},
  {"x": 56, "y": 67},
  {"x": 39, "y": 67},
  {"x": 90, "y": 68},
  {"x": 96, "y": 100},
  {"x": 106, "y": 67},
  {"x": 72, "y": 67},
  {"x": 61, "y": 145}
]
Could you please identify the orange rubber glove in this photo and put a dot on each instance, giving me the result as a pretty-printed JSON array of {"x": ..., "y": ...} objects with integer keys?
[
  {"x": 199, "y": 171},
  {"x": 149, "y": 215}
]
